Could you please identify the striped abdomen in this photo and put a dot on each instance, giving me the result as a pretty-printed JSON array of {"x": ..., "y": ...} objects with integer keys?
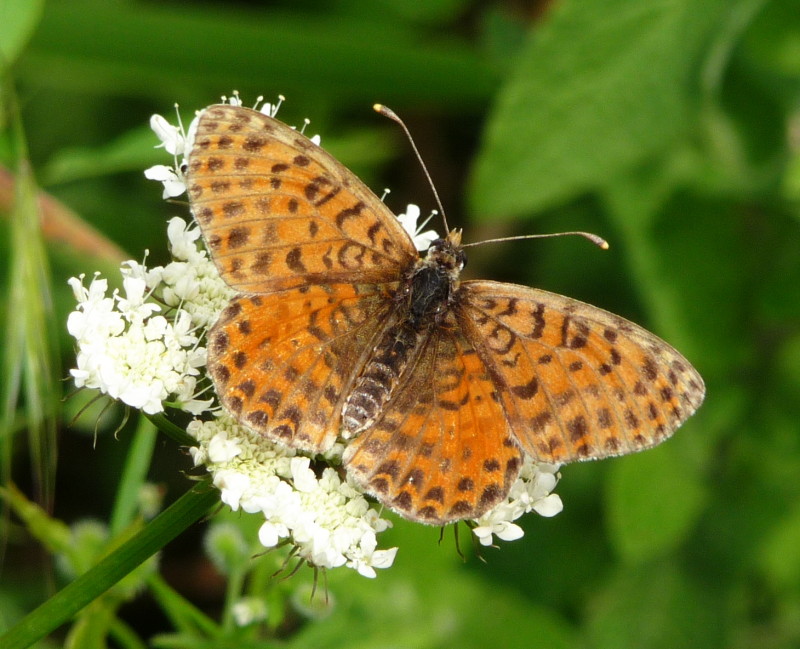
[{"x": 382, "y": 373}]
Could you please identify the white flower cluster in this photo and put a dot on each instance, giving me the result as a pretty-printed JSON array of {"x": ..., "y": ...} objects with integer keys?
[
  {"x": 191, "y": 282},
  {"x": 143, "y": 347},
  {"x": 328, "y": 520},
  {"x": 531, "y": 492},
  {"x": 127, "y": 351}
]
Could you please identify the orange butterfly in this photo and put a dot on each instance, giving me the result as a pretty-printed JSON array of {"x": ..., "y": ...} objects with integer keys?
[{"x": 340, "y": 329}]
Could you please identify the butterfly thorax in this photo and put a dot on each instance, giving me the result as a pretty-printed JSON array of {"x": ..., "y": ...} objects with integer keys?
[
  {"x": 422, "y": 300},
  {"x": 432, "y": 281}
]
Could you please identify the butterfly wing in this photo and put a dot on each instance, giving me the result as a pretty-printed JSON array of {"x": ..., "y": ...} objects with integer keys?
[
  {"x": 441, "y": 450},
  {"x": 277, "y": 211},
  {"x": 576, "y": 382},
  {"x": 284, "y": 362}
]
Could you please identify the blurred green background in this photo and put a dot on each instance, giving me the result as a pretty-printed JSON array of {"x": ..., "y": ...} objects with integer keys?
[{"x": 669, "y": 127}]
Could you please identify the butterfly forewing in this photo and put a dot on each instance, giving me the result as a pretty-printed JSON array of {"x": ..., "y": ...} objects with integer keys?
[
  {"x": 277, "y": 211},
  {"x": 576, "y": 382}
]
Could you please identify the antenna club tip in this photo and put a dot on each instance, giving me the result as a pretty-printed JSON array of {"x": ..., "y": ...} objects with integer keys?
[
  {"x": 595, "y": 239},
  {"x": 383, "y": 110},
  {"x": 386, "y": 112}
]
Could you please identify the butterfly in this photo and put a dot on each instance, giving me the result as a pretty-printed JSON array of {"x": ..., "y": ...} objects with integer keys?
[{"x": 340, "y": 329}]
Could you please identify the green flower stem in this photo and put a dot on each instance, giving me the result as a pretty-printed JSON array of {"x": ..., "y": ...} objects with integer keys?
[
  {"x": 133, "y": 477},
  {"x": 233, "y": 593},
  {"x": 184, "y": 616},
  {"x": 125, "y": 636},
  {"x": 173, "y": 431},
  {"x": 72, "y": 598}
]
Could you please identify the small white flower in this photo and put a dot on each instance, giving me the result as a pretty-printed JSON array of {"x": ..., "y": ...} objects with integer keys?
[
  {"x": 172, "y": 139},
  {"x": 302, "y": 476},
  {"x": 408, "y": 219},
  {"x": 176, "y": 143},
  {"x": 249, "y": 610},
  {"x": 233, "y": 100},
  {"x": 199, "y": 455},
  {"x": 221, "y": 449},
  {"x": 130, "y": 351},
  {"x": 368, "y": 558},
  {"x": 172, "y": 181},
  {"x": 531, "y": 492},
  {"x": 329, "y": 522},
  {"x": 183, "y": 240},
  {"x": 270, "y": 533},
  {"x": 233, "y": 485},
  {"x": 548, "y": 506}
]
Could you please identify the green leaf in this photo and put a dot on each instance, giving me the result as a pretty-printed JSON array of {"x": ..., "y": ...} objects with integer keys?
[
  {"x": 600, "y": 86},
  {"x": 133, "y": 476},
  {"x": 774, "y": 39},
  {"x": 653, "y": 500},
  {"x": 654, "y": 607},
  {"x": 126, "y": 48},
  {"x": 17, "y": 22},
  {"x": 184, "y": 616},
  {"x": 442, "y": 608},
  {"x": 779, "y": 556},
  {"x": 29, "y": 383},
  {"x": 72, "y": 598},
  {"x": 131, "y": 152}
]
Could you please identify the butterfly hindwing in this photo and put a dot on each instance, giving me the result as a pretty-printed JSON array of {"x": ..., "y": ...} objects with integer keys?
[
  {"x": 437, "y": 454},
  {"x": 284, "y": 362}
]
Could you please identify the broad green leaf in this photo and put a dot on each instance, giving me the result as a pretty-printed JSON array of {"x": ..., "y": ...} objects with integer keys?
[
  {"x": 446, "y": 608},
  {"x": 774, "y": 39},
  {"x": 654, "y": 607},
  {"x": 131, "y": 152},
  {"x": 779, "y": 556},
  {"x": 18, "y": 19},
  {"x": 127, "y": 48},
  {"x": 599, "y": 87},
  {"x": 653, "y": 499}
]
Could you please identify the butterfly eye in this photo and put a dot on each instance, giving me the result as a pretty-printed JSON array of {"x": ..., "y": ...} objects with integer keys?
[{"x": 462, "y": 259}]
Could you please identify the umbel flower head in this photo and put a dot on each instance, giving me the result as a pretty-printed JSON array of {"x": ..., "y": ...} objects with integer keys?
[{"x": 145, "y": 346}]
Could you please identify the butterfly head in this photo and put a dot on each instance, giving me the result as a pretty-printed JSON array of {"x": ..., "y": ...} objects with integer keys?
[{"x": 447, "y": 254}]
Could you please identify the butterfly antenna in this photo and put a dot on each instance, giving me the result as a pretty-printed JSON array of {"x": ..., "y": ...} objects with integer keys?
[
  {"x": 596, "y": 240},
  {"x": 388, "y": 112}
]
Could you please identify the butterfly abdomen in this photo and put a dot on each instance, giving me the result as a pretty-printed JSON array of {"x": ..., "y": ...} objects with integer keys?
[{"x": 379, "y": 378}]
